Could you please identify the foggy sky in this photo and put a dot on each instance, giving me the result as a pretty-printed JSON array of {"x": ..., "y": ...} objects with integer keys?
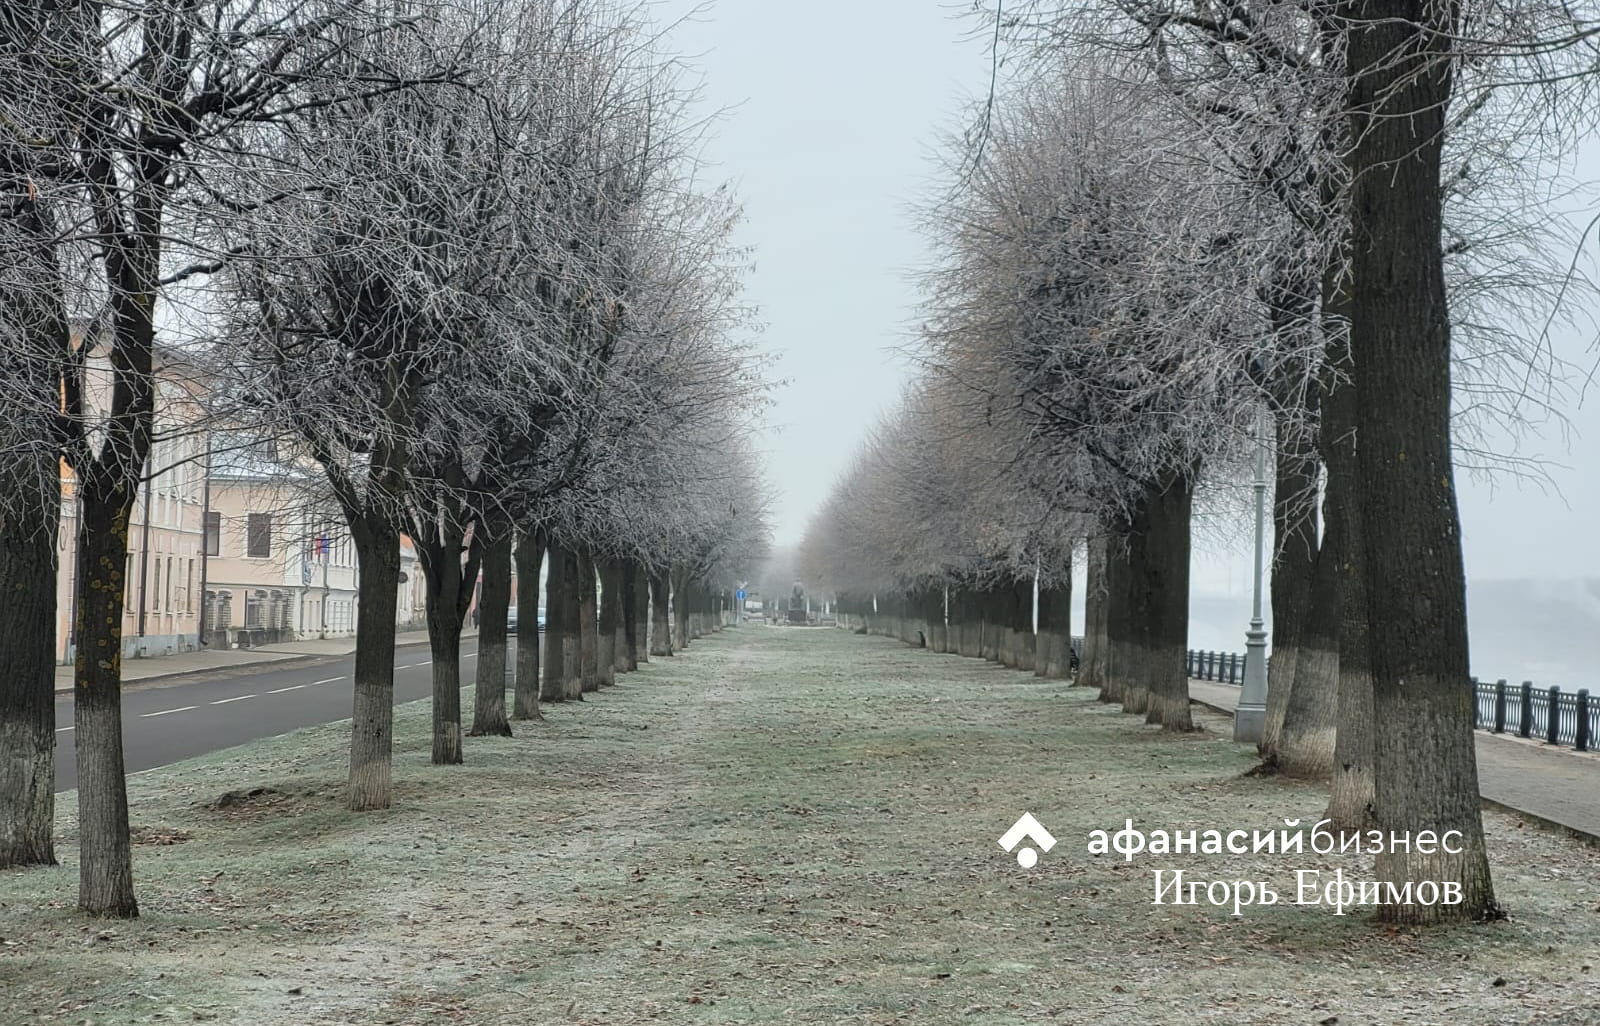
[{"x": 837, "y": 106}]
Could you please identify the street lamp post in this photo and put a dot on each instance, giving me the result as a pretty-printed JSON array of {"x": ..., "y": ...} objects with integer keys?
[{"x": 1251, "y": 716}]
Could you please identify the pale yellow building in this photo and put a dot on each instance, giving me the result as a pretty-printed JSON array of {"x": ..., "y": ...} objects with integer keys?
[
  {"x": 228, "y": 530},
  {"x": 162, "y": 601},
  {"x": 280, "y": 564}
]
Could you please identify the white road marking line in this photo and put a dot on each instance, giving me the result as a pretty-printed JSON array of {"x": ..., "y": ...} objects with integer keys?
[
  {"x": 330, "y": 680},
  {"x": 409, "y": 666},
  {"x": 164, "y": 712},
  {"x": 225, "y": 701},
  {"x": 280, "y": 691},
  {"x": 62, "y": 730}
]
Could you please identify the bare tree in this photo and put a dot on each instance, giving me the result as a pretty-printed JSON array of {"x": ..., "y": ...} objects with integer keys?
[
  {"x": 144, "y": 107},
  {"x": 34, "y": 336},
  {"x": 347, "y": 279}
]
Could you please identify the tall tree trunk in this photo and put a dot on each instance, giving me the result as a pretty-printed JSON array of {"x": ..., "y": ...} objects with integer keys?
[
  {"x": 105, "y": 860},
  {"x": 633, "y": 624},
  {"x": 588, "y": 620},
  {"x": 554, "y": 686},
  {"x": 660, "y": 631},
  {"x": 444, "y": 645},
  {"x": 30, "y": 478},
  {"x": 27, "y": 660},
  {"x": 530, "y": 556},
  {"x": 372, "y": 725},
  {"x": 1398, "y": 55},
  {"x": 494, "y": 604},
  {"x": 108, "y": 484},
  {"x": 989, "y": 618},
  {"x": 1294, "y": 526},
  {"x": 610, "y": 621},
  {"x": 1306, "y": 740},
  {"x": 1133, "y": 653},
  {"x": 572, "y": 624},
  {"x": 680, "y": 608},
  {"x": 1054, "y": 655},
  {"x": 1117, "y": 660},
  {"x": 1158, "y": 599},
  {"x": 1024, "y": 645},
  {"x": 931, "y": 607},
  {"x": 1092, "y": 663},
  {"x": 440, "y": 556},
  {"x": 1351, "y": 800},
  {"x": 641, "y": 614}
]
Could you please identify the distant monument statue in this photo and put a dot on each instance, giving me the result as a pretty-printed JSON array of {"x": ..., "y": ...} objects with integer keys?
[{"x": 798, "y": 612}]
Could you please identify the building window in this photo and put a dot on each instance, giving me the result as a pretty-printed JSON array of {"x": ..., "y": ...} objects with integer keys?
[
  {"x": 213, "y": 533},
  {"x": 258, "y": 543},
  {"x": 155, "y": 595}
]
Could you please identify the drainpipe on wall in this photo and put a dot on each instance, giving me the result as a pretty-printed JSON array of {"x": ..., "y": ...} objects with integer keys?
[
  {"x": 70, "y": 649},
  {"x": 327, "y": 557},
  {"x": 205, "y": 542},
  {"x": 144, "y": 553}
]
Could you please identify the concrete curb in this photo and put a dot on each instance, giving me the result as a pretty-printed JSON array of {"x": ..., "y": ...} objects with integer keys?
[
  {"x": 1224, "y": 710},
  {"x": 287, "y": 660},
  {"x": 1551, "y": 825}
]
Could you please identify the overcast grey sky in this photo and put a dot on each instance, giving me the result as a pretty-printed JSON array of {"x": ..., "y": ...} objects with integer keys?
[{"x": 836, "y": 105}]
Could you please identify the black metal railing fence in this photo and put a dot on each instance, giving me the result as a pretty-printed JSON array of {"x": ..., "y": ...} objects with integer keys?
[{"x": 1570, "y": 719}]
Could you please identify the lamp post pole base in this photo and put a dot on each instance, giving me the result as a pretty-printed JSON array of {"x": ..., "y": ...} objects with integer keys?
[
  {"x": 1249, "y": 723},
  {"x": 1250, "y": 716}
]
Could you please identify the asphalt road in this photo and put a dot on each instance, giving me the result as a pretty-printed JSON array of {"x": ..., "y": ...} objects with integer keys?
[{"x": 165, "y": 721}]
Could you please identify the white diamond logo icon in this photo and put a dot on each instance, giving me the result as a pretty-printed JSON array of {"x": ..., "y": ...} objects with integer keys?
[{"x": 1027, "y": 829}]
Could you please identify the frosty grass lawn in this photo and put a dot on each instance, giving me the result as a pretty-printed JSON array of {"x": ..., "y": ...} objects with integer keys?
[{"x": 780, "y": 825}]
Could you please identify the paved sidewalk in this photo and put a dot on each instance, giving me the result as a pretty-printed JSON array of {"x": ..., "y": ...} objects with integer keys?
[
  {"x": 1559, "y": 787},
  {"x": 211, "y": 660}
]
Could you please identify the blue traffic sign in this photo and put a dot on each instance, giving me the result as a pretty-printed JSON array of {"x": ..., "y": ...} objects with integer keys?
[{"x": 740, "y": 595}]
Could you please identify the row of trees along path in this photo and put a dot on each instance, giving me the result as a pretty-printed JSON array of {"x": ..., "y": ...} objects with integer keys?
[
  {"x": 452, "y": 264},
  {"x": 1162, "y": 230}
]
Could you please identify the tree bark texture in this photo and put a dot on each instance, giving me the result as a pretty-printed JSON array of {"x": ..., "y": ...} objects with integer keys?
[
  {"x": 1117, "y": 662},
  {"x": 660, "y": 629},
  {"x": 1426, "y": 770},
  {"x": 529, "y": 557},
  {"x": 611, "y": 604},
  {"x": 1092, "y": 666},
  {"x": 494, "y": 605},
  {"x": 1351, "y": 798},
  {"x": 589, "y": 623},
  {"x": 105, "y": 859},
  {"x": 446, "y": 593},
  {"x": 372, "y": 724},
  {"x": 1160, "y": 596},
  {"x": 1306, "y": 738},
  {"x": 571, "y": 624},
  {"x": 554, "y": 686},
  {"x": 1294, "y": 561},
  {"x": 30, "y": 478},
  {"x": 1054, "y": 652}
]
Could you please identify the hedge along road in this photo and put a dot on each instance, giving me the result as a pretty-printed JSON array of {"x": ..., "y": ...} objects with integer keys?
[{"x": 165, "y": 722}]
